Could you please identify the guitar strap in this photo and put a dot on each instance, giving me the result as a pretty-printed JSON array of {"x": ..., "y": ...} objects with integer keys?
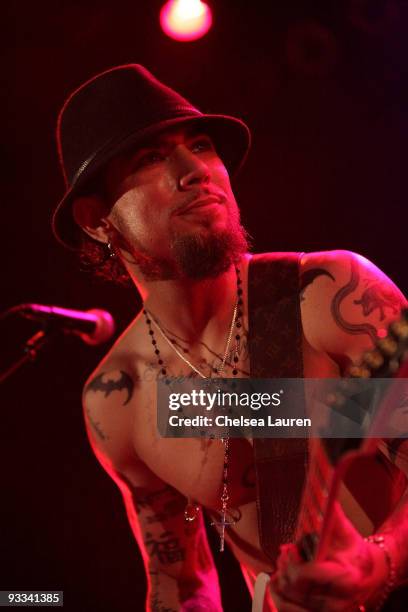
[{"x": 275, "y": 350}]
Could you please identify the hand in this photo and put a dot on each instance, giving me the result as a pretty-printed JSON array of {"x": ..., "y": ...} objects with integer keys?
[{"x": 354, "y": 572}]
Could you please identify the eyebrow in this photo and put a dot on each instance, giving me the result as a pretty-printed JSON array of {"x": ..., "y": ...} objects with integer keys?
[{"x": 165, "y": 138}]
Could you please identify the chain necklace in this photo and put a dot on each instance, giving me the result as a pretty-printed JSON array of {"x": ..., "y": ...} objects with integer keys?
[
  {"x": 192, "y": 508},
  {"x": 171, "y": 343}
]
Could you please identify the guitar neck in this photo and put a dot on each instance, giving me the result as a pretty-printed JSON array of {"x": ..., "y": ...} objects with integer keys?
[
  {"x": 315, "y": 500},
  {"x": 319, "y": 496}
]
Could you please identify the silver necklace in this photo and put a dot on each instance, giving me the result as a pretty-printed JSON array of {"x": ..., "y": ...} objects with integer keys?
[{"x": 220, "y": 369}]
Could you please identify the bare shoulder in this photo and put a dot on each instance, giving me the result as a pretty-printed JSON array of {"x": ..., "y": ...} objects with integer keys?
[
  {"x": 341, "y": 260},
  {"x": 109, "y": 405},
  {"x": 345, "y": 300}
]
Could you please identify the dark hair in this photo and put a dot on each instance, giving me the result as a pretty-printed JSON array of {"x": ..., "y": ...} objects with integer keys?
[{"x": 96, "y": 258}]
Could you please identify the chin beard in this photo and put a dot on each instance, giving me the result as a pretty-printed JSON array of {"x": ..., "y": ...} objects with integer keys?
[
  {"x": 195, "y": 256},
  {"x": 207, "y": 255}
]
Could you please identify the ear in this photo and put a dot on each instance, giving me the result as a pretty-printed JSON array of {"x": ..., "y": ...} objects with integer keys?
[{"x": 89, "y": 213}]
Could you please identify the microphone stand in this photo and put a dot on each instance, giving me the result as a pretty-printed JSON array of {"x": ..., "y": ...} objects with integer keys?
[
  {"x": 51, "y": 329},
  {"x": 31, "y": 348}
]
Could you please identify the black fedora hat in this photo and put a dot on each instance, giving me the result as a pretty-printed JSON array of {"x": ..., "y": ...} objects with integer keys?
[{"x": 116, "y": 110}]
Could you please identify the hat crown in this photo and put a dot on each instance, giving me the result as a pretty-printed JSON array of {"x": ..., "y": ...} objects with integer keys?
[{"x": 107, "y": 108}]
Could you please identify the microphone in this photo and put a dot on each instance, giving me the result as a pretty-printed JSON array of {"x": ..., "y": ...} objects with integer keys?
[{"x": 94, "y": 326}]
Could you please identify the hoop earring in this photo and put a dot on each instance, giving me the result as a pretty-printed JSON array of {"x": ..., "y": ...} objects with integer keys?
[{"x": 111, "y": 251}]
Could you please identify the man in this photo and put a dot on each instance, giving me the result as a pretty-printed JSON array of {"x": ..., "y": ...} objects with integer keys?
[{"x": 149, "y": 189}]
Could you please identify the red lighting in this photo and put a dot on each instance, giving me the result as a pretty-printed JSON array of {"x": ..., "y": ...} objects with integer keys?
[{"x": 185, "y": 20}]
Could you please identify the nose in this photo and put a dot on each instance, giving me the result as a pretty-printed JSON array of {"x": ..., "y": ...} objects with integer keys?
[{"x": 193, "y": 170}]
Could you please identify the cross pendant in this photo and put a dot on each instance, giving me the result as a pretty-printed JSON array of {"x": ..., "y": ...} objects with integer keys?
[{"x": 223, "y": 523}]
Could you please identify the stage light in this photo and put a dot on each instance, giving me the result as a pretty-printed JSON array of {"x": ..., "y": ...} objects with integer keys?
[{"x": 185, "y": 20}]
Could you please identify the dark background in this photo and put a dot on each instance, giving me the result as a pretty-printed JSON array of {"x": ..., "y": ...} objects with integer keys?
[{"x": 324, "y": 86}]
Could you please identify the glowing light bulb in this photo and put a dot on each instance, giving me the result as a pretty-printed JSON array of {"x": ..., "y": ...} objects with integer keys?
[{"x": 185, "y": 20}]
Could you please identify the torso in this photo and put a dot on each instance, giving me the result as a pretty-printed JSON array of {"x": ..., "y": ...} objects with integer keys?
[
  {"x": 131, "y": 450},
  {"x": 192, "y": 466}
]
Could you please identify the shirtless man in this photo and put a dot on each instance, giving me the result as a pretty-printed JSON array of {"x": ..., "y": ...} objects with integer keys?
[{"x": 148, "y": 182}]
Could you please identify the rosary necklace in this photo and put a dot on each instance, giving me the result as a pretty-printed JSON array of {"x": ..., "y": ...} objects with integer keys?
[
  {"x": 171, "y": 343},
  {"x": 192, "y": 509}
]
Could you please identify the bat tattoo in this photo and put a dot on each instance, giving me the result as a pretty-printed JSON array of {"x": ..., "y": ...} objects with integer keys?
[{"x": 110, "y": 385}]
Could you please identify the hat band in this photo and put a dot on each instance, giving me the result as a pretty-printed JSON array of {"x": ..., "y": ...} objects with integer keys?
[
  {"x": 177, "y": 111},
  {"x": 83, "y": 166}
]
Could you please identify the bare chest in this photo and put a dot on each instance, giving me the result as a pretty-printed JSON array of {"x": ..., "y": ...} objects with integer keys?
[{"x": 194, "y": 466}]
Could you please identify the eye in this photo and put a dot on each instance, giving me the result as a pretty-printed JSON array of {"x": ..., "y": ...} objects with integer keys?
[
  {"x": 148, "y": 159},
  {"x": 202, "y": 144}
]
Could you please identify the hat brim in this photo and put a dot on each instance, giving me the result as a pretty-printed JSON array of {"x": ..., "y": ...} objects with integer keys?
[{"x": 231, "y": 138}]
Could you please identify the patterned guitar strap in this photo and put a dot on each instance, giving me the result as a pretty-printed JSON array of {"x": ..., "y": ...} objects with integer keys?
[{"x": 275, "y": 349}]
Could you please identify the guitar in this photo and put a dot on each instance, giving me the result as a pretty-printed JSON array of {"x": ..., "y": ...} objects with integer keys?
[{"x": 329, "y": 458}]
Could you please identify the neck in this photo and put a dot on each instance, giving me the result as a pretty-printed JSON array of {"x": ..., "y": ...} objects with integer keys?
[{"x": 189, "y": 308}]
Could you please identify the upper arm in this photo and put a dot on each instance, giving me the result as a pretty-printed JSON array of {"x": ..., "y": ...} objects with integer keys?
[
  {"x": 169, "y": 545},
  {"x": 345, "y": 300}
]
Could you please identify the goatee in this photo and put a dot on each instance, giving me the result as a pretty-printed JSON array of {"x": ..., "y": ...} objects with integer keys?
[
  {"x": 207, "y": 255},
  {"x": 204, "y": 254}
]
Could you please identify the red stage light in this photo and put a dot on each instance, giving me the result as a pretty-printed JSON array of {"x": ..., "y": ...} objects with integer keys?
[{"x": 185, "y": 20}]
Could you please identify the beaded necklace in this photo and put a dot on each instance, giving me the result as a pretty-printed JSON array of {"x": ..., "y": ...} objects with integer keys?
[
  {"x": 192, "y": 508},
  {"x": 172, "y": 344}
]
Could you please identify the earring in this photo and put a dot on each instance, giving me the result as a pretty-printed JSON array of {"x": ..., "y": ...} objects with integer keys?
[{"x": 111, "y": 250}]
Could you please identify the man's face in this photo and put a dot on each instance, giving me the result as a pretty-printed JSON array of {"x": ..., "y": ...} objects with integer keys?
[{"x": 172, "y": 207}]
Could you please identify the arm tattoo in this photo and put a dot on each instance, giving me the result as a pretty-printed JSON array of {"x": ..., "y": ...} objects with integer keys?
[
  {"x": 173, "y": 507},
  {"x": 110, "y": 385},
  {"x": 160, "y": 506},
  {"x": 156, "y": 605},
  {"x": 375, "y": 297},
  {"x": 342, "y": 293},
  {"x": 143, "y": 499},
  {"x": 166, "y": 548},
  {"x": 163, "y": 504},
  {"x": 309, "y": 276},
  {"x": 96, "y": 426}
]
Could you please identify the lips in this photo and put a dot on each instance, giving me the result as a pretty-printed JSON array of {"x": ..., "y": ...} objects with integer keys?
[{"x": 200, "y": 203}]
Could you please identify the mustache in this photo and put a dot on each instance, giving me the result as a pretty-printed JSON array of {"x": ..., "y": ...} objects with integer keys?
[{"x": 199, "y": 194}]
